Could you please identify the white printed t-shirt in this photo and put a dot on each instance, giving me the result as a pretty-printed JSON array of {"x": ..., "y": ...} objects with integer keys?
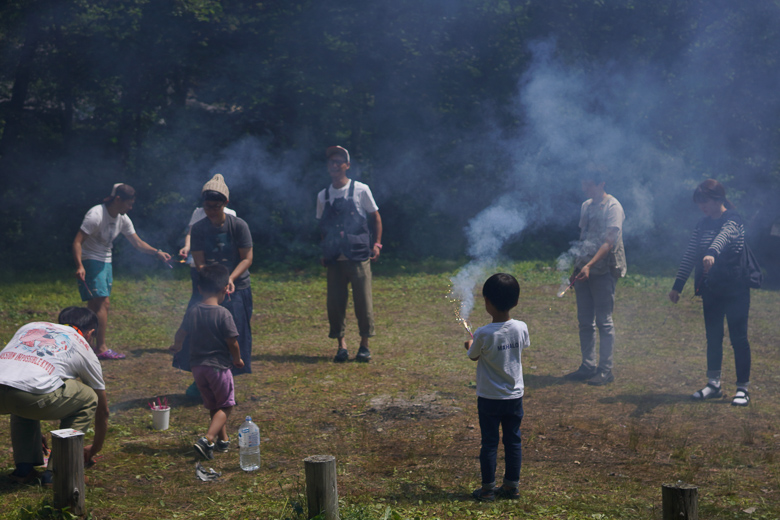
[
  {"x": 499, "y": 368},
  {"x": 101, "y": 230},
  {"x": 42, "y": 355},
  {"x": 364, "y": 200}
]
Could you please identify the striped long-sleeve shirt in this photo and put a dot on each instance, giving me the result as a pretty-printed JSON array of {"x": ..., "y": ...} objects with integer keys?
[{"x": 722, "y": 238}]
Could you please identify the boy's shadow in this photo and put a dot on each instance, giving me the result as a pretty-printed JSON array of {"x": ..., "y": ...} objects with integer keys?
[{"x": 646, "y": 403}]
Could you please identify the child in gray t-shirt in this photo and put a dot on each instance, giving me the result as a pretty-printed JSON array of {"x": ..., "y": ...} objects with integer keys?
[
  {"x": 497, "y": 349},
  {"x": 213, "y": 350}
]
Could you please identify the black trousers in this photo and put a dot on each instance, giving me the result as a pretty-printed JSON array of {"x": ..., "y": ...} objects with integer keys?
[{"x": 735, "y": 307}]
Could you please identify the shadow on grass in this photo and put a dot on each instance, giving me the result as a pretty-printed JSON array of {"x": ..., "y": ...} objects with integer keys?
[
  {"x": 186, "y": 451},
  {"x": 138, "y": 352},
  {"x": 412, "y": 493},
  {"x": 542, "y": 381},
  {"x": 174, "y": 401},
  {"x": 291, "y": 358},
  {"x": 646, "y": 403}
]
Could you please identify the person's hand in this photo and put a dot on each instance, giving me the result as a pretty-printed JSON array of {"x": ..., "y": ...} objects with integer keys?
[
  {"x": 184, "y": 251},
  {"x": 375, "y": 252},
  {"x": 173, "y": 349},
  {"x": 674, "y": 296},
  {"x": 231, "y": 287},
  {"x": 583, "y": 274},
  {"x": 81, "y": 274},
  {"x": 162, "y": 255},
  {"x": 467, "y": 344},
  {"x": 239, "y": 363},
  {"x": 89, "y": 457},
  {"x": 708, "y": 263}
]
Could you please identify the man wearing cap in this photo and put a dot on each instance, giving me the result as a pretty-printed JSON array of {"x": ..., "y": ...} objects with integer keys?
[
  {"x": 92, "y": 254},
  {"x": 346, "y": 209},
  {"x": 225, "y": 239}
]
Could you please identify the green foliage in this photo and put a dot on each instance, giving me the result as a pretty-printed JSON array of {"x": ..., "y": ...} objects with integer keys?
[{"x": 47, "y": 512}]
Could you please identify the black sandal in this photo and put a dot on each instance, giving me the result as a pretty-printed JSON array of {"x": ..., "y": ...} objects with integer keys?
[
  {"x": 708, "y": 392},
  {"x": 741, "y": 398}
]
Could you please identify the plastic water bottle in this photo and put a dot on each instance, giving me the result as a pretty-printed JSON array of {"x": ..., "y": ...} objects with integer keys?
[{"x": 249, "y": 445}]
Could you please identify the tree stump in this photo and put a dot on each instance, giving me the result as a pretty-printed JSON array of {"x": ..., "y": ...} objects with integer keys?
[
  {"x": 68, "y": 470},
  {"x": 321, "y": 491},
  {"x": 680, "y": 501}
]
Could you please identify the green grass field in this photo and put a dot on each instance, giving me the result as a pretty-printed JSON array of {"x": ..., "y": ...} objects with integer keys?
[{"x": 404, "y": 428}]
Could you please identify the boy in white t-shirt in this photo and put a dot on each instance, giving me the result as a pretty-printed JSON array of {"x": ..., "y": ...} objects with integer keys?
[{"x": 497, "y": 349}]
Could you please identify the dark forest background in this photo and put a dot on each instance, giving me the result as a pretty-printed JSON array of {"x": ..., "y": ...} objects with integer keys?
[{"x": 448, "y": 107}]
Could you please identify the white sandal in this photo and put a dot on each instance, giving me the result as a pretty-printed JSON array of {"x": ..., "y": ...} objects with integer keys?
[{"x": 741, "y": 398}]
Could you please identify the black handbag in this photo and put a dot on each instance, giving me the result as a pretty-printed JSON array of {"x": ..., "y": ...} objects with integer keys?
[{"x": 738, "y": 271}]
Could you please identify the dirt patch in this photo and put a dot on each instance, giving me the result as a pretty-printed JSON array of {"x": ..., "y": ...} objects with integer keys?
[{"x": 421, "y": 406}]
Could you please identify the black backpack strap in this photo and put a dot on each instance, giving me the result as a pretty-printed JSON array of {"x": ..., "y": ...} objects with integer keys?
[
  {"x": 327, "y": 192},
  {"x": 351, "y": 194}
]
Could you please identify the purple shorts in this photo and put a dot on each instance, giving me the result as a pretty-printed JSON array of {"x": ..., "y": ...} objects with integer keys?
[{"x": 216, "y": 387}]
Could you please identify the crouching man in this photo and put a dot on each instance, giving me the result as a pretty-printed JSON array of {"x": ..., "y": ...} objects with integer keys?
[{"x": 39, "y": 368}]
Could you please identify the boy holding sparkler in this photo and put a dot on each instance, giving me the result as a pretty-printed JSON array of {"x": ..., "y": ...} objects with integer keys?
[
  {"x": 213, "y": 341},
  {"x": 497, "y": 349}
]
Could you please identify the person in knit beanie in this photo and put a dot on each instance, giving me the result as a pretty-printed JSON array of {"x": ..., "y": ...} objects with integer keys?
[{"x": 222, "y": 238}]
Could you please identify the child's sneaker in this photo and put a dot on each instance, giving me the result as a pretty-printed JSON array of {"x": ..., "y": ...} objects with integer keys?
[
  {"x": 222, "y": 446},
  {"x": 484, "y": 495},
  {"x": 205, "y": 449},
  {"x": 510, "y": 493}
]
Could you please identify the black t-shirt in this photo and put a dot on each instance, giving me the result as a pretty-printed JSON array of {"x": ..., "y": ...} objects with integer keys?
[{"x": 220, "y": 245}]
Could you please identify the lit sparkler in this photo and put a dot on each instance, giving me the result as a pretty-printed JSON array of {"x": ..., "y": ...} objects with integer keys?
[
  {"x": 563, "y": 289},
  {"x": 467, "y": 327}
]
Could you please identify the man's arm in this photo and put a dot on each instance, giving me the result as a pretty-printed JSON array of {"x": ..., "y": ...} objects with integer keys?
[
  {"x": 101, "y": 427},
  {"x": 142, "y": 246},
  {"x": 606, "y": 247},
  {"x": 77, "y": 242},
  {"x": 376, "y": 223}
]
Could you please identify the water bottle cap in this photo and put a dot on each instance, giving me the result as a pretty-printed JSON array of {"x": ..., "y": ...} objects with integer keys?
[{"x": 248, "y": 418}]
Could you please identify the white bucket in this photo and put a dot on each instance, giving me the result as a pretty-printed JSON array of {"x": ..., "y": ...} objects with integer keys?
[{"x": 160, "y": 417}]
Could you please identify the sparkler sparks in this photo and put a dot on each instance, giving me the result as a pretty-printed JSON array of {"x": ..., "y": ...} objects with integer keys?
[{"x": 458, "y": 316}]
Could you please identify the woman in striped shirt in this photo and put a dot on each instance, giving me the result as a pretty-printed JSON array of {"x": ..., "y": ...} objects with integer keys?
[{"x": 718, "y": 237}]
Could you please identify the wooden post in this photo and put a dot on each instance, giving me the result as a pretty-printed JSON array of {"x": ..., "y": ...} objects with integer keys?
[
  {"x": 321, "y": 491},
  {"x": 68, "y": 470},
  {"x": 680, "y": 502}
]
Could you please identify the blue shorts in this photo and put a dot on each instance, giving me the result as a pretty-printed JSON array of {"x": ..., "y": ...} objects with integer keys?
[
  {"x": 216, "y": 387},
  {"x": 99, "y": 279}
]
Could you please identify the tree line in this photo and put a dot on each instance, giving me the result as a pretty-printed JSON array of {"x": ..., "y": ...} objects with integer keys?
[{"x": 159, "y": 93}]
